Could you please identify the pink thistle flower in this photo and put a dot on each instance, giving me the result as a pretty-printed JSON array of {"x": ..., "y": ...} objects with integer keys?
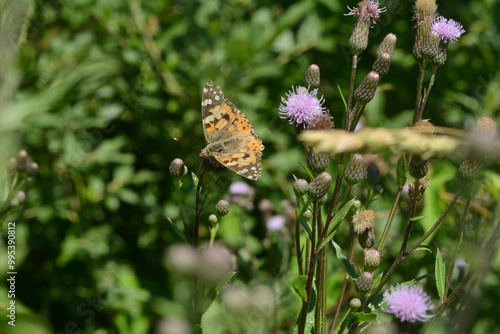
[
  {"x": 301, "y": 105},
  {"x": 275, "y": 223},
  {"x": 367, "y": 9},
  {"x": 448, "y": 30},
  {"x": 407, "y": 303}
]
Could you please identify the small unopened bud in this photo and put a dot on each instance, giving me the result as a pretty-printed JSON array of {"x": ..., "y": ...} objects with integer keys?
[
  {"x": 418, "y": 168},
  {"x": 22, "y": 157},
  {"x": 382, "y": 64},
  {"x": 469, "y": 169},
  {"x": 222, "y": 208},
  {"x": 355, "y": 303},
  {"x": 387, "y": 46},
  {"x": 359, "y": 38},
  {"x": 177, "y": 168},
  {"x": 319, "y": 186},
  {"x": 12, "y": 164},
  {"x": 364, "y": 282},
  {"x": 367, "y": 238},
  {"x": 355, "y": 169},
  {"x": 32, "y": 168},
  {"x": 430, "y": 47},
  {"x": 317, "y": 162},
  {"x": 300, "y": 187},
  {"x": 367, "y": 88},
  {"x": 378, "y": 189},
  {"x": 371, "y": 259},
  {"x": 213, "y": 220},
  {"x": 363, "y": 221},
  {"x": 312, "y": 76},
  {"x": 372, "y": 174},
  {"x": 308, "y": 214}
]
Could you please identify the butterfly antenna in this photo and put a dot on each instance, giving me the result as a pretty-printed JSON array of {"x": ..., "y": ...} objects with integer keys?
[{"x": 180, "y": 141}]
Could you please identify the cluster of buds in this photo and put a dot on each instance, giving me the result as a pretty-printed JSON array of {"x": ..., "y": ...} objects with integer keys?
[{"x": 22, "y": 163}]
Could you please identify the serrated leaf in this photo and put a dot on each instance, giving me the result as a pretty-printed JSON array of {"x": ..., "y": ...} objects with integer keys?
[
  {"x": 415, "y": 280},
  {"x": 401, "y": 171},
  {"x": 195, "y": 179},
  {"x": 299, "y": 286},
  {"x": 365, "y": 317},
  {"x": 345, "y": 262},
  {"x": 177, "y": 230},
  {"x": 337, "y": 219},
  {"x": 440, "y": 274},
  {"x": 423, "y": 248},
  {"x": 417, "y": 218}
]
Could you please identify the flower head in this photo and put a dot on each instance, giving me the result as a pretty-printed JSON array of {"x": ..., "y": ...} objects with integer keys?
[
  {"x": 301, "y": 105},
  {"x": 367, "y": 9},
  {"x": 275, "y": 223},
  {"x": 407, "y": 303},
  {"x": 239, "y": 188},
  {"x": 448, "y": 29}
]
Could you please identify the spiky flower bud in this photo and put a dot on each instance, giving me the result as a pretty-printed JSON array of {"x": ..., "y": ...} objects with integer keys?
[
  {"x": 382, "y": 64},
  {"x": 359, "y": 38},
  {"x": 300, "y": 187},
  {"x": 308, "y": 214},
  {"x": 371, "y": 259},
  {"x": 319, "y": 186},
  {"x": 317, "y": 162},
  {"x": 177, "y": 168},
  {"x": 372, "y": 174},
  {"x": 441, "y": 56},
  {"x": 363, "y": 221},
  {"x": 425, "y": 12},
  {"x": 422, "y": 186},
  {"x": 430, "y": 47},
  {"x": 368, "y": 12},
  {"x": 222, "y": 208},
  {"x": 364, "y": 282},
  {"x": 418, "y": 168},
  {"x": 367, "y": 88},
  {"x": 355, "y": 169},
  {"x": 213, "y": 220},
  {"x": 387, "y": 46},
  {"x": 312, "y": 76},
  {"x": 367, "y": 238},
  {"x": 355, "y": 303},
  {"x": 469, "y": 169},
  {"x": 32, "y": 168}
]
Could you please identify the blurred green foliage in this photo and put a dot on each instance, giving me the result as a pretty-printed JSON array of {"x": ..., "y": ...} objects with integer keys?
[{"x": 96, "y": 90}]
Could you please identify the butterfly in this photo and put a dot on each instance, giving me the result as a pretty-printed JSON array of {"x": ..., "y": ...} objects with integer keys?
[{"x": 230, "y": 137}]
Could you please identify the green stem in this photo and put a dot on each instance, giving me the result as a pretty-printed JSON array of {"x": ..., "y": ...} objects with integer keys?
[
  {"x": 420, "y": 83},
  {"x": 427, "y": 93},
  {"x": 177, "y": 183},
  {"x": 351, "y": 93},
  {"x": 213, "y": 233},
  {"x": 389, "y": 220},
  {"x": 298, "y": 223}
]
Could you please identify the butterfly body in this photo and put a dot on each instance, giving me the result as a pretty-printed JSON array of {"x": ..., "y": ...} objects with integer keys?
[{"x": 230, "y": 137}]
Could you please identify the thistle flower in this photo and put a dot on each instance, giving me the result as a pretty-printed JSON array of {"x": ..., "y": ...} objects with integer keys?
[
  {"x": 407, "y": 303},
  {"x": 363, "y": 221},
  {"x": 275, "y": 223},
  {"x": 425, "y": 12},
  {"x": 301, "y": 105},
  {"x": 239, "y": 188},
  {"x": 368, "y": 12},
  {"x": 448, "y": 29}
]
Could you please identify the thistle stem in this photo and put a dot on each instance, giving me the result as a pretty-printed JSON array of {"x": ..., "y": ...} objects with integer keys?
[
  {"x": 427, "y": 93},
  {"x": 389, "y": 220}
]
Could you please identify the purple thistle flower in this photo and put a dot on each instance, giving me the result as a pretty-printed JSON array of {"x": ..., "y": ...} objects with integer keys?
[
  {"x": 407, "y": 303},
  {"x": 367, "y": 8},
  {"x": 448, "y": 30},
  {"x": 239, "y": 188},
  {"x": 275, "y": 223},
  {"x": 301, "y": 105}
]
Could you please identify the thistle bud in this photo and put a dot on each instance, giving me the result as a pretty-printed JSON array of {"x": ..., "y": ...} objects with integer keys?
[
  {"x": 366, "y": 89},
  {"x": 319, "y": 186},
  {"x": 425, "y": 12},
  {"x": 364, "y": 282},
  {"x": 372, "y": 174},
  {"x": 387, "y": 46},
  {"x": 177, "y": 168},
  {"x": 323, "y": 200},
  {"x": 422, "y": 186},
  {"x": 418, "y": 168},
  {"x": 22, "y": 158},
  {"x": 441, "y": 56},
  {"x": 378, "y": 189},
  {"x": 355, "y": 303},
  {"x": 355, "y": 169},
  {"x": 213, "y": 220},
  {"x": 367, "y": 238},
  {"x": 317, "y": 162},
  {"x": 308, "y": 214},
  {"x": 469, "y": 169},
  {"x": 222, "y": 208},
  {"x": 359, "y": 38},
  {"x": 300, "y": 187},
  {"x": 32, "y": 168},
  {"x": 312, "y": 76},
  {"x": 371, "y": 259},
  {"x": 430, "y": 48},
  {"x": 382, "y": 64}
]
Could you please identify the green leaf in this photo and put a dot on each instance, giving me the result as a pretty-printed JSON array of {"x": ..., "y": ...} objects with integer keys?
[
  {"x": 299, "y": 285},
  {"x": 310, "y": 313},
  {"x": 214, "y": 292},
  {"x": 345, "y": 262},
  {"x": 343, "y": 323},
  {"x": 417, "y": 218},
  {"x": 342, "y": 96},
  {"x": 335, "y": 223},
  {"x": 195, "y": 179},
  {"x": 306, "y": 227},
  {"x": 197, "y": 329},
  {"x": 401, "y": 172},
  {"x": 362, "y": 317},
  {"x": 307, "y": 170},
  {"x": 178, "y": 231},
  {"x": 415, "y": 280},
  {"x": 440, "y": 274},
  {"x": 423, "y": 248}
]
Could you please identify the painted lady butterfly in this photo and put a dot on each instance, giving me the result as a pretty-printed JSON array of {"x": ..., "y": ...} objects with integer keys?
[{"x": 229, "y": 135}]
